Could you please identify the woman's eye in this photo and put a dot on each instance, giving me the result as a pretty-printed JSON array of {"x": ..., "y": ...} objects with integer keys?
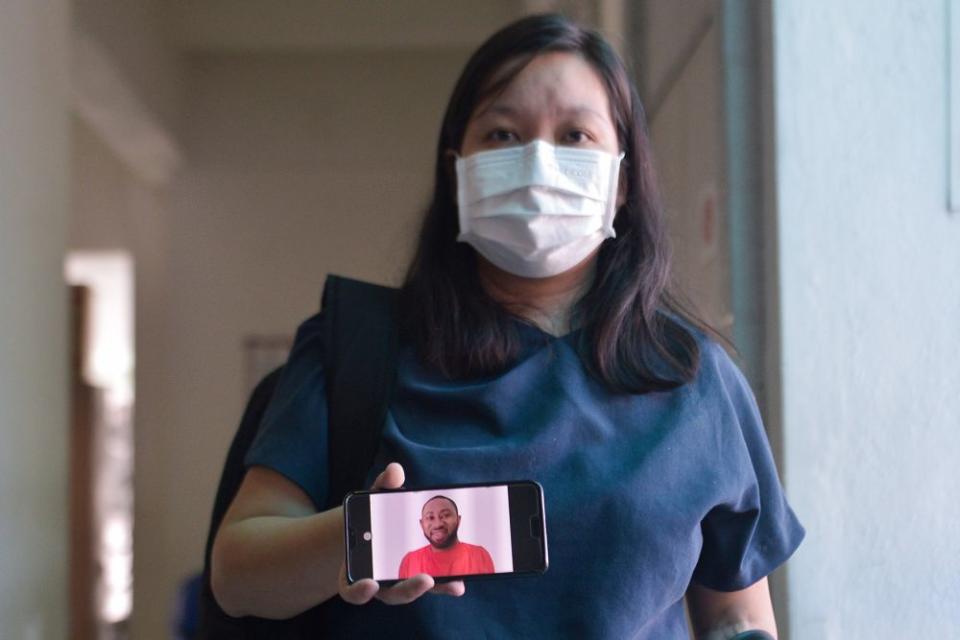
[
  {"x": 501, "y": 135},
  {"x": 577, "y": 136}
]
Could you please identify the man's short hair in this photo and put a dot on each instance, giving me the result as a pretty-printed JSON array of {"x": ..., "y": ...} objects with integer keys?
[{"x": 455, "y": 508}]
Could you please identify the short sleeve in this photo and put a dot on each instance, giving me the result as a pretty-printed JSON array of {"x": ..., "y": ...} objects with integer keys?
[
  {"x": 750, "y": 530},
  {"x": 292, "y": 439}
]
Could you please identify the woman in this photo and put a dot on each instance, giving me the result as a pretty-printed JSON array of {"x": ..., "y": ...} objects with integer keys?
[{"x": 541, "y": 342}]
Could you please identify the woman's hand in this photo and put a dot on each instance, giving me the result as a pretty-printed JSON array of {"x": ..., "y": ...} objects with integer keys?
[{"x": 405, "y": 591}]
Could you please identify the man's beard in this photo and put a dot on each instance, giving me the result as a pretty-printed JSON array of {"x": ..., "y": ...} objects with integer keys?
[{"x": 445, "y": 543}]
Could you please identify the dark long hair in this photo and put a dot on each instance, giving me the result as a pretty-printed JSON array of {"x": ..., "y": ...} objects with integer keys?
[{"x": 633, "y": 336}]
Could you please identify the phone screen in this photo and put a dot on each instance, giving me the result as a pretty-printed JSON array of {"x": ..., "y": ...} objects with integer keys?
[{"x": 447, "y": 532}]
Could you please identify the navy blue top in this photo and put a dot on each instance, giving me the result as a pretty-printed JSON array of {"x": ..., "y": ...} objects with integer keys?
[{"x": 644, "y": 493}]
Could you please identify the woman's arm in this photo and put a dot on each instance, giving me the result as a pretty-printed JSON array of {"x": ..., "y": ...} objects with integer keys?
[
  {"x": 270, "y": 536},
  {"x": 717, "y": 615},
  {"x": 275, "y": 557}
]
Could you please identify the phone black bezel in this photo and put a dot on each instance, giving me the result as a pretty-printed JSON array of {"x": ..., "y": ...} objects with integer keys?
[{"x": 541, "y": 513}]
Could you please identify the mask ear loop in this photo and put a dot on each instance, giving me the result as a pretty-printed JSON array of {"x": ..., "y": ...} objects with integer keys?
[
  {"x": 454, "y": 165},
  {"x": 613, "y": 204}
]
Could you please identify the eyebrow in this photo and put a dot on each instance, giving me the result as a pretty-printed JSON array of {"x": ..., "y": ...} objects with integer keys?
[{"x": 509, "y": 110}]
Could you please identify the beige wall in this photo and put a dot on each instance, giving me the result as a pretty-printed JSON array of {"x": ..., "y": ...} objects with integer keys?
[
  {"x": 688, "y": 143},
  {"x": 296, "y": 165},
  {"x": 135, "y": 90},
  {"x": 668, "y": 30},
  {"x": 135, "y": 34},
  {"x": 677, "y": 53},
  {"x": 112, "y": 209},
  {"x": 34, "y": 138}
]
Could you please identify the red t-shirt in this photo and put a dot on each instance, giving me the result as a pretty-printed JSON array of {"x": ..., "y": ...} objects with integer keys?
[{"x": 459, "y": 560}]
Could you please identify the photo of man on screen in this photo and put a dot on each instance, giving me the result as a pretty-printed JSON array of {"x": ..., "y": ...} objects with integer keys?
[{"x": 446, "y": 555}]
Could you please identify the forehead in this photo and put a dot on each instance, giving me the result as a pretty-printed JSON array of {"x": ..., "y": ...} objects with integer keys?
[
  {"x": 549, "y": 84},
  {"x": 437, "y": 504}
]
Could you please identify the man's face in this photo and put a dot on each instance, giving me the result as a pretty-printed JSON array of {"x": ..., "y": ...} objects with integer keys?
[{"x": 440, "y": 522}]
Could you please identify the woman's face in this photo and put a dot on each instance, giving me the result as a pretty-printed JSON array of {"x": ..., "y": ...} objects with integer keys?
[{"x": 557, "y": 98}]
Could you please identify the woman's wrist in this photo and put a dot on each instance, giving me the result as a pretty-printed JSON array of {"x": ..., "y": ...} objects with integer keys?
[{"x": 736, "y": 631}]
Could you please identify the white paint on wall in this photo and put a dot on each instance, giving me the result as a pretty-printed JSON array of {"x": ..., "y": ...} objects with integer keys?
[
  {"x": 109, "y": 367},
  {"x": 109, "y": 340},
  {"x": 870, "y": 289},
  {"x": 34, "y": 138}
]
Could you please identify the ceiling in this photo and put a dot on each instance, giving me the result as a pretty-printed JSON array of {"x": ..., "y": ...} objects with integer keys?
[{"x": 296, "y": 25}]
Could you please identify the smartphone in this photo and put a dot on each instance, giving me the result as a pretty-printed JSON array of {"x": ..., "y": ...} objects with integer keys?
[{"x": 450, "y": 532}]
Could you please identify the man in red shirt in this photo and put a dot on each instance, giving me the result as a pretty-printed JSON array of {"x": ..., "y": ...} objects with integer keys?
[{"x": 445, "y": 555}]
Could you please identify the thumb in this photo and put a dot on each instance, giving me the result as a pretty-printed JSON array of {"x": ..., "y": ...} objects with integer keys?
[{"x": 391, "y": 478}]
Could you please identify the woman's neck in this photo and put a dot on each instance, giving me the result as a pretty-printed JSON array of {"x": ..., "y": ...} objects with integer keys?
[{"x": 546, "y": 302}]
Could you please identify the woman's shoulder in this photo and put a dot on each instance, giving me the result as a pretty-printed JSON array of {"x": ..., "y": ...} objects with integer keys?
[
  {"x": 717, "y": 356},
  {"x": 308, "y": 349},
  {"x": 705, "y": 338},
  {"x": 720, "y": 383},
  {"x": 310, "y": 327}
]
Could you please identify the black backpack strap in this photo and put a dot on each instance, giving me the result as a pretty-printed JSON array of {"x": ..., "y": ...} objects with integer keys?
[
  {"x": 361, "y": 354},
  {"x": 360, "y": 366}
]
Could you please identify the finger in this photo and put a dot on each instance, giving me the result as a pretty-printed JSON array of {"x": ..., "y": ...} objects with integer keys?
[
  {"x": 360, "y": 592},
  {"x": 391, "y": 478},
  {"x": 455, "y": 588},
  {"x": 406, "y": 591}
]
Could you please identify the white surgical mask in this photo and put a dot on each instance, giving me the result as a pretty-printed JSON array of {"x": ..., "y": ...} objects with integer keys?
[{"x": 537, "y": 210}]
